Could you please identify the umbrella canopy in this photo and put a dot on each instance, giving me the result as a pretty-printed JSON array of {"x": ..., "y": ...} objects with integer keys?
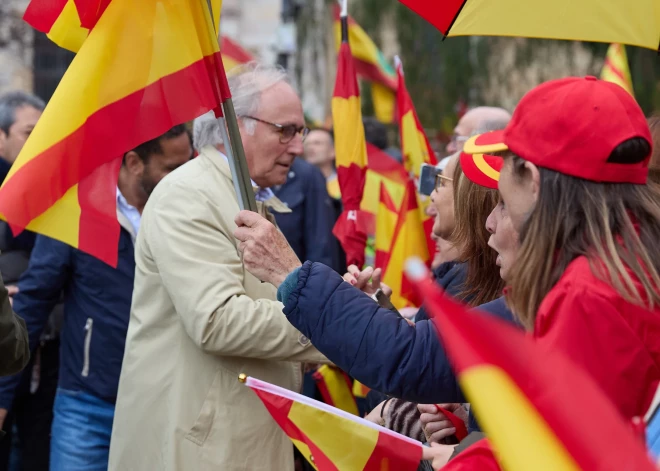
[{"x": 634, "y": 22}]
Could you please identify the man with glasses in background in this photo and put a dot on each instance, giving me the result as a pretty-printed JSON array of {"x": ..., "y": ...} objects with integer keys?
[
  {"x": 198, "y": 318},
  {"x": 471, "y": 121}
]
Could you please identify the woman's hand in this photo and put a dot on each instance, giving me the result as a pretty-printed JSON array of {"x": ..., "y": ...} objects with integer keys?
[
  {"x": 435, "y": 424},
  {"x": 266, "y": 253},
  {"x": 438, "y": 454},
  {"x": 360, "y": 279}
]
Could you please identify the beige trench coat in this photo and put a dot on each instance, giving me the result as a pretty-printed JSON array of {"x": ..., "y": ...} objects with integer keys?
[{"x": 199, "y": 319}]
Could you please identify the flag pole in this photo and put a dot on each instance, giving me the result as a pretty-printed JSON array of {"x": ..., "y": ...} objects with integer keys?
[{"x": 231, "y": 138}]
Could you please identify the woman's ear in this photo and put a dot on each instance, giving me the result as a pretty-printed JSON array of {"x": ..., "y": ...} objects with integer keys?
[{"x": 534, "y": 181}]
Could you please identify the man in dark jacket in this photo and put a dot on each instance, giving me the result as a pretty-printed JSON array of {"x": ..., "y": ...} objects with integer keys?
[
  {"x": 97, "y": 301},
  {"x": 308, "y": 227}
]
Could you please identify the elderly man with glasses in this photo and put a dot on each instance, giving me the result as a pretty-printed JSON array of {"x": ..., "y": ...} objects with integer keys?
[{"x": 198, "y": 318}]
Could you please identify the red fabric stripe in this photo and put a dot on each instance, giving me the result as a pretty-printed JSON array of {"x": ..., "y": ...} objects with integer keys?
[
  {"x": 97, "y": 197},
  {"x": 440, "y": 14},
  {"x": 230, "y": 49},
  {"x": 42, "y": 14},
  {"x": 373, "y": 73},
  {"x": 386, "y": 199},
  {"x": 279, "y": 408},
  {"x": 393, "y": 454},
  {"x": 107, "y": 135},
  {"x": 615, "y": 70},
  {"x": 346, "y": 85},
  {"x": 90, "y": 11},
  {"x": 381, "y": 163}
]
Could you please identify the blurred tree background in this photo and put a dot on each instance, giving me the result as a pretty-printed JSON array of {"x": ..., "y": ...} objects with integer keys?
[{"x": 442, "y": 74}]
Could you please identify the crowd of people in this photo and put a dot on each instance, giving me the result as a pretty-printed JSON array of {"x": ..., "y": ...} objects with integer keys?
[{"x": 545, "y": 219}]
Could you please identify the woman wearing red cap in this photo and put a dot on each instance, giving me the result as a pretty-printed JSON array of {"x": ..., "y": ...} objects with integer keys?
[{"x": 587, "y": 277}]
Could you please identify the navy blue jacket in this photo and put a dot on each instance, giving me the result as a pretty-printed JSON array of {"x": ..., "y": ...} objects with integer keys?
[
  {"x": 97, "y": 305},
  {"x": 308, "y": 227},
  {"x": 372, "y": 344}
]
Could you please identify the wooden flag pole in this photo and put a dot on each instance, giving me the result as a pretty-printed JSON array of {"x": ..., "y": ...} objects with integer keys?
[{"x": 231, "y": 138}]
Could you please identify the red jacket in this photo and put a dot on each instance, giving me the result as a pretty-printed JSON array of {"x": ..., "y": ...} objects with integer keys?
[{"x": 614, "y": 341}]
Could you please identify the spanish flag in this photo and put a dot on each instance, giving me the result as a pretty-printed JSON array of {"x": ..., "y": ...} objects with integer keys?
[
  {"x": 233, "y": 55},
  {"x": 537, "y": 408},
  {"x": 334, "y": 440},
  {"x": 414, "y": 143},
  {"x": 385, "y": 225},
  {"x": 145, "y": 67},
  {"x": 336, "y": 388},
  {"x": 616, "y": 68},
  {"x": 351, "y": 151},
  {"x": 406, "y": 239},
  {"x": 371, "y": 65}
]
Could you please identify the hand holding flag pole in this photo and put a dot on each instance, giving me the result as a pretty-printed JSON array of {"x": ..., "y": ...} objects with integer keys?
[{"x": 231, "y": 136}]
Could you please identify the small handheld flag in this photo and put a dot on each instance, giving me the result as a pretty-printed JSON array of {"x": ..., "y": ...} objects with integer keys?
[{"x": 334, "y": 440}]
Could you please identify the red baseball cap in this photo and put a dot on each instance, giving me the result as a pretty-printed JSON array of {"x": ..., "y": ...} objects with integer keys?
[
  {"x": 482, "y": 169},
  {"x": 571, "y": 126}
]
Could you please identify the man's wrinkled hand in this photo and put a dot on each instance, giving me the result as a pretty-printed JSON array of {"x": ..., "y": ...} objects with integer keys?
[
  {"x": 438, "y": 455},
  {"x": 266, "y": 253}
]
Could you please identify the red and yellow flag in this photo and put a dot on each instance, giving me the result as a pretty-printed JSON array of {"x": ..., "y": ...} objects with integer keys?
[
  {"x": 414, "y": 143},
  {"x": 64, "y": 182},
  {"x": 537, "y": 408},
  {"x": 233, "y": 54},
  {"x": 334, "y": 440},
  {"x": 351, "y": 151},
  {"x": 406, "y": 239},
  {"x": 371, "y": 65},
  {"x": 616, "y": 69},
  {"x": 335, "y": 388}
]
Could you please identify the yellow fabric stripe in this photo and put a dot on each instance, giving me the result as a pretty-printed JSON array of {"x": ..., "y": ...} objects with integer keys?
[
  {"x": 362, "y": 47},
  {"x": 385, "y": 224},
  {"x": 413, "y": 144},
  {"x": 62, "y": 220},
  {"x": 350, "y": 145},
  {"x": 621, "y": 21},
  {"x": 521, "y": 438},
  {"x": 371, "y": 194},
  {"x": 67, "y": 32},
  {"x": 346, "y": 443},
  {"x": 470, "y": 147},
  {"x": 486, "y": 169},
  {"x": 341, "y": 394},
  {"x": 616, "y": 69},
  {"x": 410, "y": 242},
  {"x": 216, "y": 6},
  {"x": 384, "y": 101},
  {"x": 120, "y": 57}
]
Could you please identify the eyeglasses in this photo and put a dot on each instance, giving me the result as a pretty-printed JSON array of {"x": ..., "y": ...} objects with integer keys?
[
  {"x": 287, "y": 131},
  {"x": 441, "y": 181},
  {"x": 455, "y": 138}
]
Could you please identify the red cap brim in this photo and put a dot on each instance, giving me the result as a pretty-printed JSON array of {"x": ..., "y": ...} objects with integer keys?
[
  {"x": 486, "y": 143},
  {"x": 482, "y": 169}
]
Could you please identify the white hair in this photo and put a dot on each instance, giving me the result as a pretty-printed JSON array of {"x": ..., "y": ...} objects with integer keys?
[{"x": 246, "y": 82}]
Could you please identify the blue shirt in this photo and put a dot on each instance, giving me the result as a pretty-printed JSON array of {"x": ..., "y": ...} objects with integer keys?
[{"x": 131, "y": 213}]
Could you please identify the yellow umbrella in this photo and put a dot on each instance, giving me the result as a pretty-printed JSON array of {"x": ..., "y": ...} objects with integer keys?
[{"x": 633, "y": 22}]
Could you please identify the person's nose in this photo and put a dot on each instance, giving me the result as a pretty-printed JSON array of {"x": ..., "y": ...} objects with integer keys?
[
  {"x": 491, "y": 225},
  {"x": 296, "y": 145}
]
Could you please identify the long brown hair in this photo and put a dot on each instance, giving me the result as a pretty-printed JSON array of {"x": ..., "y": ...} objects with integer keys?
[
  {"x": 654, "y": 164},
  {"x": 472, "y": 205},
  {"x": 615, "y": 225}
]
